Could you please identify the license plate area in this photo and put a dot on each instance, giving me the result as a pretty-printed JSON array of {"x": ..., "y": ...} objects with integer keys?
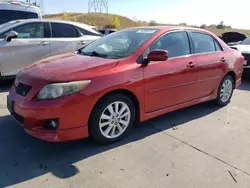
[{"x": 10, "y": 104}]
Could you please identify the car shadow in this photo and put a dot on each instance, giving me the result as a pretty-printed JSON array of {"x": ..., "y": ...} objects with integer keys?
[
  {"x": 23, "y": 158},
  {"x": 5, "y": 85}
]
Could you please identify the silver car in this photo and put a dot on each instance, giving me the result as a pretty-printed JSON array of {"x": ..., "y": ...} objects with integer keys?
[{"x": 23, "y": 42}]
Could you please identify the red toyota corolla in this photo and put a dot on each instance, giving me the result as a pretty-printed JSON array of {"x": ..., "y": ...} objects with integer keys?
[{"x": 131, "y": 75}]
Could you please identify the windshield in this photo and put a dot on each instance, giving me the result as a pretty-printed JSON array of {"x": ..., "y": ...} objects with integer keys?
[
  {"x": 246, "y": 41},
  {"x": 119, "y": 44},
  {"x": 9, "y": 15},
  {"x": 8, "y": 24}
]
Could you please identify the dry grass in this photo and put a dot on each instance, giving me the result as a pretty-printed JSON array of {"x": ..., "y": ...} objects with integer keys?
[
  {"x": 95, "y": 19},
  {"x": 101, "y": 19},
  {"x": 220, "y": 31}
]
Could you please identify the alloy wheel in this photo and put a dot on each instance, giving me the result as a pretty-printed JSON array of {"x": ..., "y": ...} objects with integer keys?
[
  {"x": 114, "y": 119},
  {"x": 226, "y": 90}
]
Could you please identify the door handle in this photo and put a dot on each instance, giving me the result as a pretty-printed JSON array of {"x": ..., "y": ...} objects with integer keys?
[
  {"x": 191, "y": 64},
  {"x": 223, "y": 59},
  {"x": 82, "y": 43},
  {"x": 44, "y": 43}
]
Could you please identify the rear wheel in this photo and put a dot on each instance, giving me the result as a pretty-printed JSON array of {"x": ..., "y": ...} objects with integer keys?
[
  {"x": 112, "y": 118},
  {"x": 225, "y": 91}
]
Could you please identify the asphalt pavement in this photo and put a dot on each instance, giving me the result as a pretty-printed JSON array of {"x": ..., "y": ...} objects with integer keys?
[{"x": 198, "y": 147}]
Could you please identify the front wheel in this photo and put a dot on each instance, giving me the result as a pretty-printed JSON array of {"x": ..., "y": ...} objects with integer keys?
[
  {"x": 112, "y": 118},
  {"x": 225, "y": 91}
]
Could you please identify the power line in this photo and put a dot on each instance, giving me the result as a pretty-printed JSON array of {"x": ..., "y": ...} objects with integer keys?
[{"x": 98, "y": 6}]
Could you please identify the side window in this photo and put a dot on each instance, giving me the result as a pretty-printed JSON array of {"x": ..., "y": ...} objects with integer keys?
[
  {"x": 86, "y": 32},
  {"x": 203, "y": 43},
  {"x": 176, "y": 43},
  {"x": 217, "y": 46},
  {"x": 31, "y": 30},
  {"x": 60, "y": 30}
]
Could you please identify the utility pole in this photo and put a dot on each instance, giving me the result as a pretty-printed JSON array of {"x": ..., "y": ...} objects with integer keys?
[{"x": 98, "y": 6}]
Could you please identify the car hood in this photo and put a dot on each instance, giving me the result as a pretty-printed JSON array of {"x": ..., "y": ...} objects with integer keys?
[
  {"x": 242, "y": 48},
  {"x": 233, "y": 37},
  {"x": 69, "y": 67}
]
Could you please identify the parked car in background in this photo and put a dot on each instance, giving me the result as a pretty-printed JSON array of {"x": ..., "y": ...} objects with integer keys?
[
  {"x": 23, "y": 42},
  {"x": 233, "y": 43},
  {"x": 104, "y": 88},
  {"x": 244, "y": 48},
  {"x": 107, "y": 31},
  {"x": 233, "y": 38},
  {"x": 14, "y": 10}
]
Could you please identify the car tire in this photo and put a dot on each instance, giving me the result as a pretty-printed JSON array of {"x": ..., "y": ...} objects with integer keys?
[
  {"x": 225, "y": 91},
  {"x": 112, "y": 118}
]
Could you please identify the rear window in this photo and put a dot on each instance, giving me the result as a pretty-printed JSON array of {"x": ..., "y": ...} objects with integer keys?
[
  {"x": 246, "y": 41},
  {"x": 9, "y": 15}
]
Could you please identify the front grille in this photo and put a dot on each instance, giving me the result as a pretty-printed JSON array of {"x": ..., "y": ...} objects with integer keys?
[
  {"x": 247, "y": 57},
  {"x": 23, "y": 89},
  {"x": 19, "y": 119}
]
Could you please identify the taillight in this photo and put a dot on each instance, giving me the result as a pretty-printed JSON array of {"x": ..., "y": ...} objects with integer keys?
[{"x": 15, "y": 3}]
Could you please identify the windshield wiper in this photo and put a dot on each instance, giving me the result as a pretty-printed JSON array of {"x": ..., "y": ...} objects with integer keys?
[{"x": 95, "y": 54}]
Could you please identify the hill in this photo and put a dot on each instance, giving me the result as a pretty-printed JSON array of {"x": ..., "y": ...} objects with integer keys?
[{"x": 101, "y": 20}]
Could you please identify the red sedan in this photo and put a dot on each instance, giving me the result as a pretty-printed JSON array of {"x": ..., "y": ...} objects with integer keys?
[{"x": 130, "y": 75}]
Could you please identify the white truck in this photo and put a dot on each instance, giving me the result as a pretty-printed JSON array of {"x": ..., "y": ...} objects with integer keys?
[{"x": 16, "y": 10}]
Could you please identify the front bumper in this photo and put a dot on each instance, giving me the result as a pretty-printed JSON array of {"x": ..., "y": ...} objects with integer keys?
[
  {"x": 72, "y": 113},
  {"x": 61, "y": 135}
]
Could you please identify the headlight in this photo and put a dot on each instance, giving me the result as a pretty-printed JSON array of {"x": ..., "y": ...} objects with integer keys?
[{"x": 53, "y": 91}]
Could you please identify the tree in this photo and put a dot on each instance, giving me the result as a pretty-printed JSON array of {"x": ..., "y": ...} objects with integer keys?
[
  {"x": 212, "y": 26},
  {"x": 203, "y": 26},
  {"x": 65, "y": 16},
  {"x": 153, "y": 23},
  {"x": 116, "y": 22},
  {"x": 221, "y": 25},
  {"x": 182, "y": 24}
]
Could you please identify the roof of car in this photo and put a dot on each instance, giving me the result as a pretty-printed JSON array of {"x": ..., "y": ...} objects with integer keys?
[
  {"x": 172, "y": 27},
  {"x": 16, "y": 5},
  {"x": 22, "y": 21},
  {"x": 55, "y": 21}
]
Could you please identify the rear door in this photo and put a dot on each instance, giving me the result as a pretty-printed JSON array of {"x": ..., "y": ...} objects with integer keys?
[
  {"x": 211, "y": 60},
  {"x": 64, "y": 38},
  {"x": 31, "y": 46}
]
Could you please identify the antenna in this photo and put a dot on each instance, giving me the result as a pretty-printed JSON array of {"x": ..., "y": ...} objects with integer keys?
[
  {"x": 38, "y": 3},
  {"x": 98, "y": 6},
  {"x": 41, "y": 6}
]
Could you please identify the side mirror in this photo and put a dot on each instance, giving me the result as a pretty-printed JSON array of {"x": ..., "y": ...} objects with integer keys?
[
  {"x": 11, "y": 35},
  {"x": 158, "y": 55}
]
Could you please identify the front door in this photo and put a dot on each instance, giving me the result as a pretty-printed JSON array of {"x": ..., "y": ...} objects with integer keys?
[
  {"x": 171, "y": 82},
  {"x": 30, "y": 47}
]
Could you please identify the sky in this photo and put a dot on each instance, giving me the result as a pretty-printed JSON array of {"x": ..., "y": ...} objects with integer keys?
[{"x": 194, "y": 12}]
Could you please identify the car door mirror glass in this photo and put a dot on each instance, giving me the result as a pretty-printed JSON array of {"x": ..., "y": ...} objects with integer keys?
[
  {"x": 11, "y": 35},
  {"x": 157, "y": 55}
]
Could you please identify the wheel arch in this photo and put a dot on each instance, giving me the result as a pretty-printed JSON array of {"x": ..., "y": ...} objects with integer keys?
[
  {"x": 233, "y": 74},
  {"x": 126, "y": 92}
]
